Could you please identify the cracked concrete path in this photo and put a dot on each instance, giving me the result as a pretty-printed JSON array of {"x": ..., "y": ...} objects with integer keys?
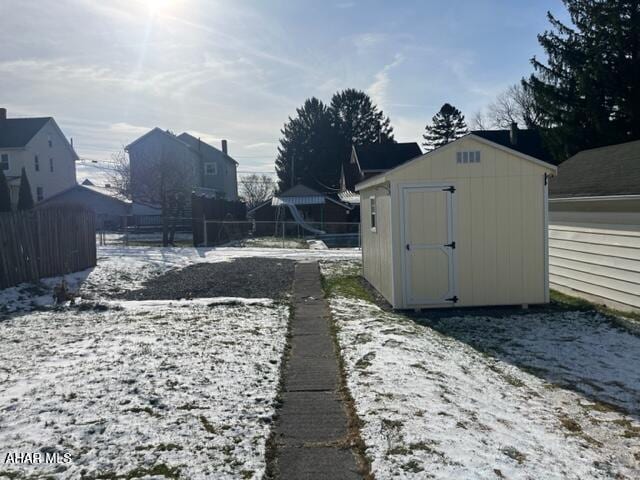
[{"x": 311, "y": 430}]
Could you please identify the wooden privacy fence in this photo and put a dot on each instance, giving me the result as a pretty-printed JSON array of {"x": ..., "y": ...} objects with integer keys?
[{"x": 46, "y": 242}]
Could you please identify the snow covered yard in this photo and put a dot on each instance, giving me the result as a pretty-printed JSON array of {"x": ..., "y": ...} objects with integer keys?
[
  {"x": 550, "y": 395},
  {"x": 141, "y": 389},
  {"x": 182, "y": 390}
]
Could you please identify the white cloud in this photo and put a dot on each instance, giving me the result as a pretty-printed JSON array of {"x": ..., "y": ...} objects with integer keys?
[{"x": 378, "y": 90}]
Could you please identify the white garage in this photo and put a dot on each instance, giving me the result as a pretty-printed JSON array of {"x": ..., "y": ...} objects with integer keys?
[{"x": 463, "y": 225}]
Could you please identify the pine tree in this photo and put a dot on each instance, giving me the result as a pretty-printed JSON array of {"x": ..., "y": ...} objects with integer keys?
[
  {"x": 586, "y": 93},
  {"x": 5, "y": 196},
  {"x": 358, "y": 120},
  {"x": 447, "y": 125},
  {"x": 25, "y": 199},
  {"x": 308, "y": 151}
]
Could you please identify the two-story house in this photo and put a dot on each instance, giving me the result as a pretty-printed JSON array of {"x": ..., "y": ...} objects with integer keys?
[
  {"x": 39, "y": 146},
  {"x": 208, "y": 170}
]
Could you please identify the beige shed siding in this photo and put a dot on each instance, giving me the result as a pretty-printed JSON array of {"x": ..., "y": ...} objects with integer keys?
[
  {"x": 376, "y": 246},
  {"x": 498, "y": 223},
  {"x": 594, "y": 251}
]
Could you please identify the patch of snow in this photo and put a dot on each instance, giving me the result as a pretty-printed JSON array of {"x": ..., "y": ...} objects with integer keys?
[
  {"x": 544, "y": 396},
  {"x": 122, "y": 269},
  {"x": 181, "y": 386}
]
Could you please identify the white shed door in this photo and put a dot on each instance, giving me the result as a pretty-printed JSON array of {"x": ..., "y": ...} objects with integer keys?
[{"x": 429, "y": 247}]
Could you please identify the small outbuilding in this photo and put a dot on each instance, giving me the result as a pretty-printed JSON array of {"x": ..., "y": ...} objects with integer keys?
[{"x": 463, "y": 225}]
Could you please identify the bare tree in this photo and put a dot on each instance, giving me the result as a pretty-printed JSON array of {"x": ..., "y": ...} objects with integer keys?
[
  {"x": 256, "y": 189},
  {"x": 163, "y": 178},
  {"x": 120, "y": 173},
  {"x": 479, "y": 121},
  {"x": 514, "y": 105}
]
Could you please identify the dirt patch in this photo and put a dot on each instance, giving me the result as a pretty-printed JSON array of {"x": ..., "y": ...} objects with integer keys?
[{"x": 243, "y": 277}]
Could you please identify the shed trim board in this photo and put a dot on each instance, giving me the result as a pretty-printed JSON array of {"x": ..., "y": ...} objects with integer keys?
[
  {"x": 405, "y": 188},
  {"x": 545, "y": 209},
  {"x": 383, "y": 177}
]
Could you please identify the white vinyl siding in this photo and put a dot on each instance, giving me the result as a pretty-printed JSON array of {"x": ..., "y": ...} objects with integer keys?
[{"x": 598, "y": 261}]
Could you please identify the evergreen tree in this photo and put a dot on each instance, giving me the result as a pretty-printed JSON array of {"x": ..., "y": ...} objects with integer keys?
[
  {"x": 357, "y": 120},
  {"x": 25, "y": 199},
  {"x": 5, "y": 197},
  {"x": 587, "y": 93},
  {"x": 308, "y": 151},
  {"x": 447, "y": 125}
]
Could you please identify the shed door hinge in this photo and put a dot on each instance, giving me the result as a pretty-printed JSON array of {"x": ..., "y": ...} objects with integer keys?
[
  {"x": 450, "y": 189},
  {"x": 451, "y": 245},
  {"x": 453, "y": 299}
]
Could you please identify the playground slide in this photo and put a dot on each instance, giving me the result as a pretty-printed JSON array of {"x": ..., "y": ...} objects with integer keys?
[{"x": 300, "y": 221}]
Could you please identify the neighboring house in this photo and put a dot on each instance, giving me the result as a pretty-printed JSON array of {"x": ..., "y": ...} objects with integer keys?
[
  {"x": 373, "y": 159},
  {"x": 109, "y": 206},
  {"x": 318, "y": 210},
  {"x": 463, "y": 225},
  {"x": 594, "y": 231},
  {"x": 38, "y": 145},
  {"x": 209, "y": 170}
]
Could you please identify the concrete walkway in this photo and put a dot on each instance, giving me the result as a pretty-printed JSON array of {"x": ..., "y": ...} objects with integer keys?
[{"x": 311, "y": 430}]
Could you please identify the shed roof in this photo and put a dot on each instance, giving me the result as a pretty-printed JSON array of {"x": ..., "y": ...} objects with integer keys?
[
  {"x": 17, "y": 132},
  {"x": 381, "y": 178},
  {"x": 383, "y": 156},
  {"x": 605, "y": 171}
]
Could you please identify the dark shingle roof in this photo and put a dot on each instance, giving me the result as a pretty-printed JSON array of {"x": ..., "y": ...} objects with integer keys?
[
  {"x": 16, "y": 132},
  {"x": 612, "y": 170},
  {"x": 528, "y": 142},
  {"x": 385, "y": 156}
]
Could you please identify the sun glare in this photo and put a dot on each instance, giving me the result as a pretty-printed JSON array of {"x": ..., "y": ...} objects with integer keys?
[{"x": 159, "y": 6}]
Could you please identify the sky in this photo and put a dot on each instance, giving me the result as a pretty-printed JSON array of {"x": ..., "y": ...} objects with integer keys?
[{"x": 110, "y": 70}]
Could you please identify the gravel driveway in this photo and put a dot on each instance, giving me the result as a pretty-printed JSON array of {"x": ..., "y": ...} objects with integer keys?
[{"x": 243, "y": 277}]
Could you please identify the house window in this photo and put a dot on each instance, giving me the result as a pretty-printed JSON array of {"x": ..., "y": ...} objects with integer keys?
[
  {"x": 4, "y": 161},
  {"x": 372, "y": 213},
  {"x": 39, "y": 194},
  {"x": 468, "y": 157},
  {"x": 36, "y": 164},
  {"x": 51, "y": 164},
  {"x": 210, "y": 168},
  {"x": 50, "y": 141}
]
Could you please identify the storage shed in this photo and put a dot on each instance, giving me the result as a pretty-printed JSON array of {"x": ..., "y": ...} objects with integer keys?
[{"x": 463, "y": 225}]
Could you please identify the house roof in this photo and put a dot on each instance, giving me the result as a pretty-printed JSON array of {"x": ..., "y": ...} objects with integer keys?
[
  {"x": 604, "y": 171},
  {"x": 17, "y": 132},
  {"x": 300, "y": 190},
  {"x": 528, "y": 142},
  {"x": 101, "y": 191},
  {"x": 155, "y": 131},
  {"x": 384, "y": 156},
  {"x": 197, "y": 144}
]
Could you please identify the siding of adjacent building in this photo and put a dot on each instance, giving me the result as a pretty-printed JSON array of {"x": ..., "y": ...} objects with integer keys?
[{"x": 594, "y": 250}]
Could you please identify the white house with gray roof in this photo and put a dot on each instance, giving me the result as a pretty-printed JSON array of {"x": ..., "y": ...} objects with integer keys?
[{"x": 39, "y": 146}]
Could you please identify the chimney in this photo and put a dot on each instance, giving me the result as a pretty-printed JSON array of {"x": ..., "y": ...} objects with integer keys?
[
  {"x": 71, "y": 141},
  {"x": 3, "y": 114},
  {"x": 513, "y": 133},
  {"x": 224, "y": 147}
]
